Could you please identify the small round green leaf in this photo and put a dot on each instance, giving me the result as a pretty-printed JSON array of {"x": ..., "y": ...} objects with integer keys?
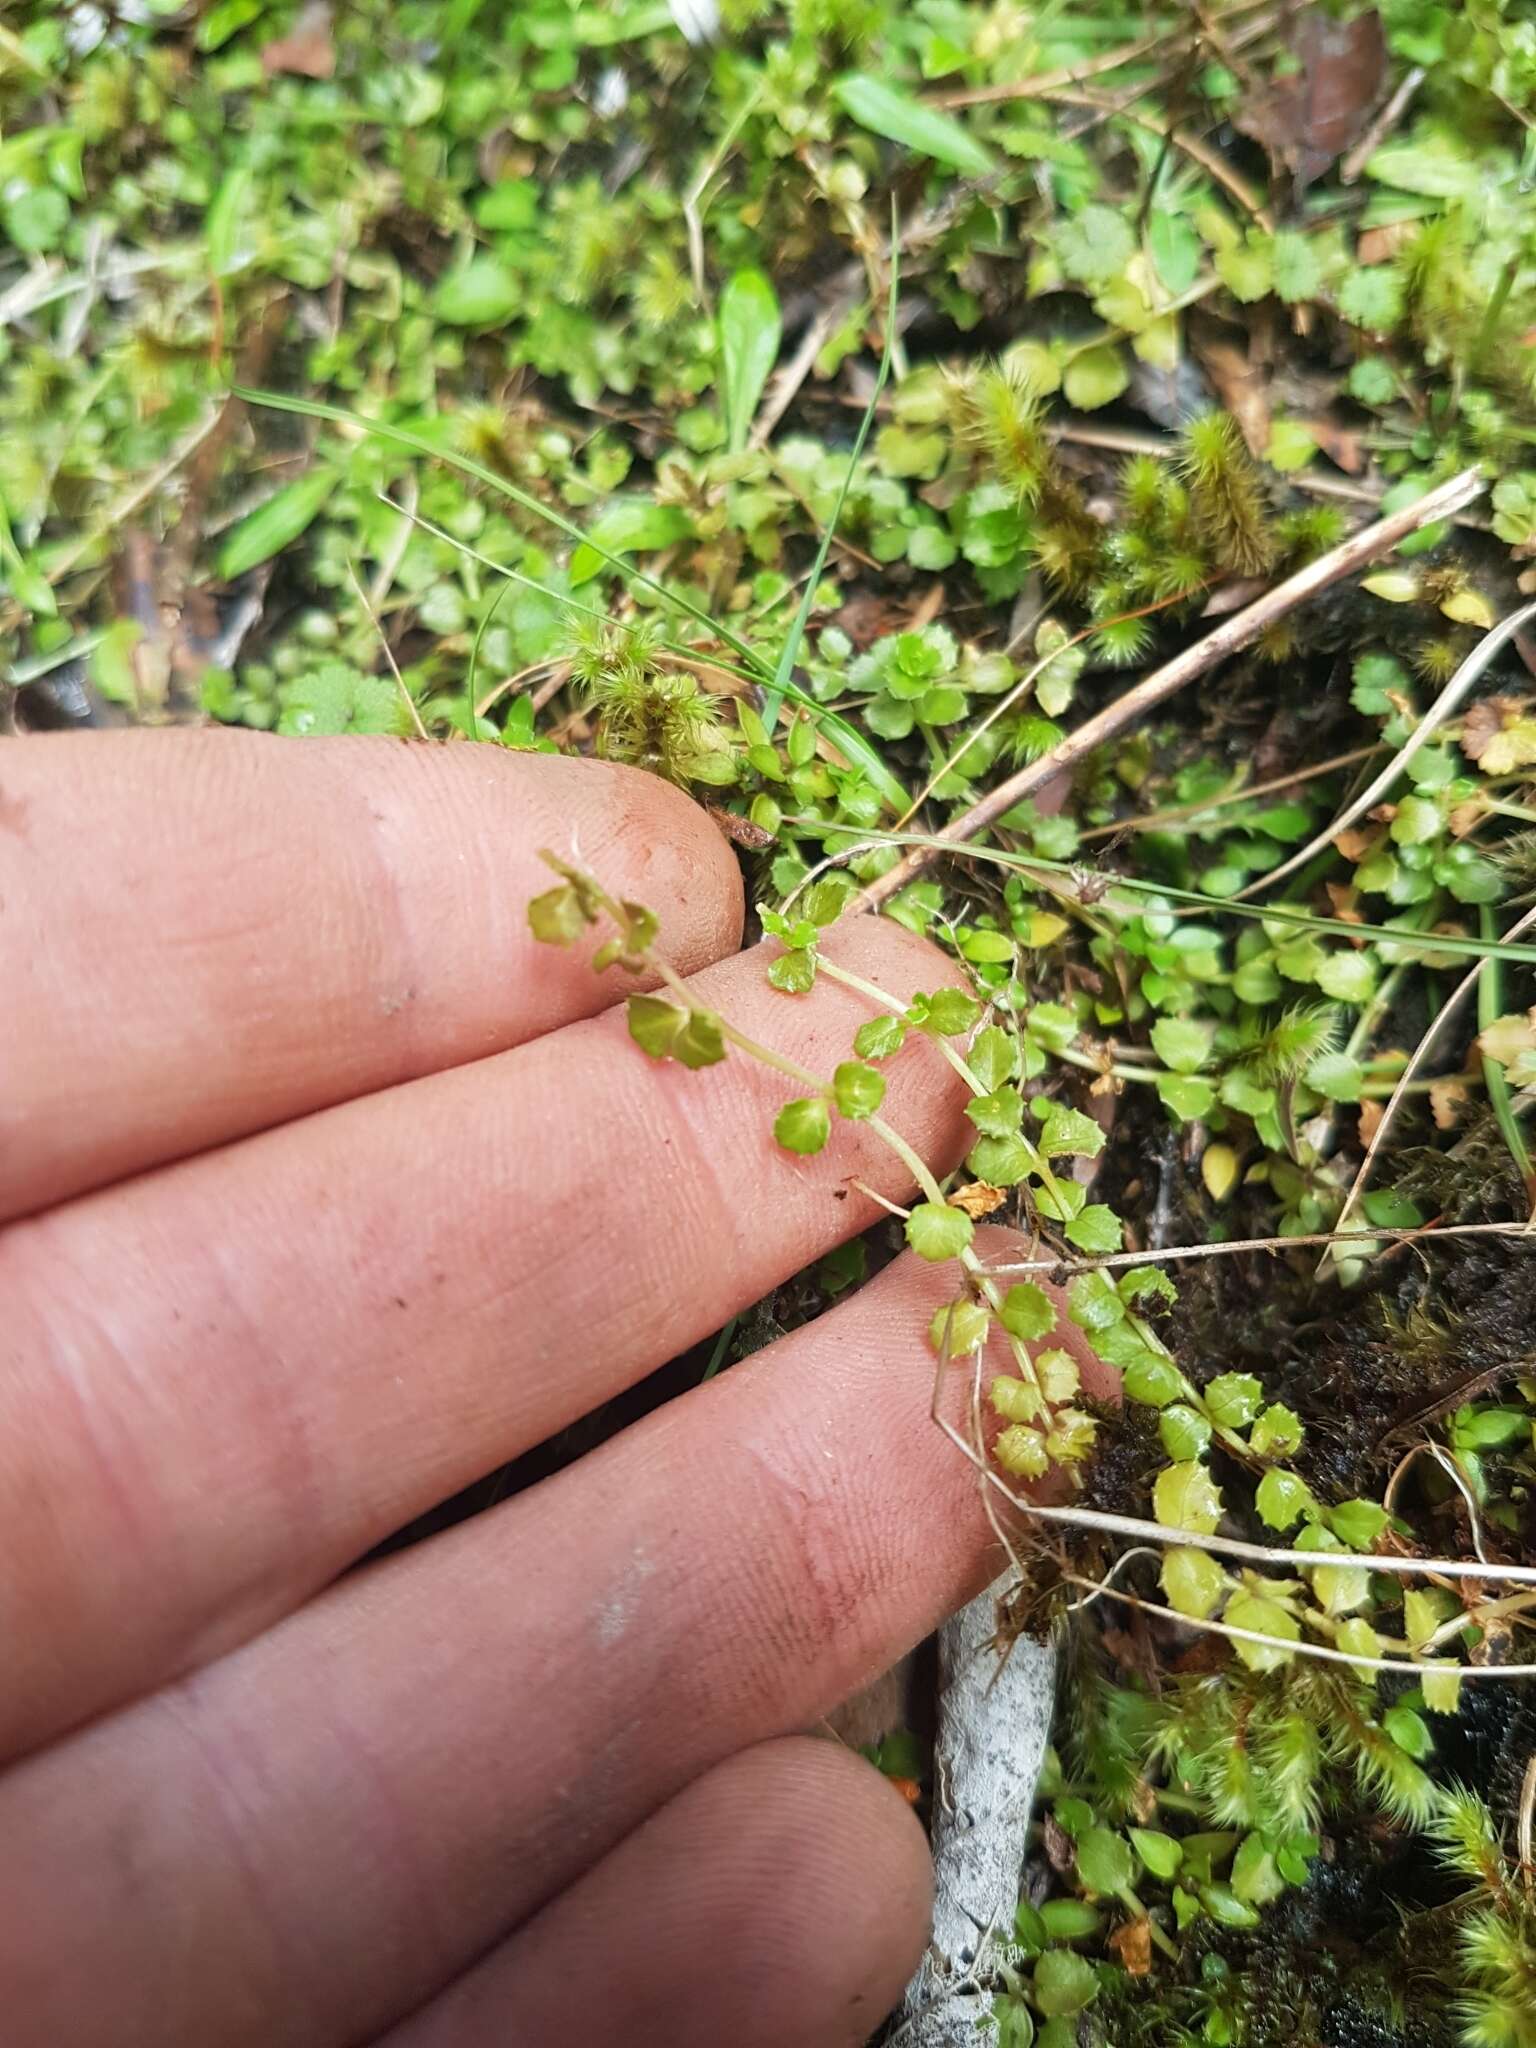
[
  {"x": 997, "y": 1115},
  {"x": 1104, "y": 1861},
  {"x": 1183, "y": 1431},
  {"x": 1153, "y": 1380},
  {"x": 1027, "y": 1312},
  {"x": 1161, "y": 1854},
  {"x": 655, "y": 1024},
  {"x": 1194, "y": 1582},
  {"x": 803, "y": 1125},
  {"x": 1282, "y": 1499},
  {"x": 878, "y": 1037},
  {"x": 857, "y": 1089},
  {"x": 1186, "y": 1497},
  {"x": 935, "y": 1231},
  {"x": 959, "y": 1328},
  {"x": 1233, "y": 1399},
  {"x": 556, "y": 918},
  {"x": 1065, "y": 1982},
  {"x": 794, "y": 972}
]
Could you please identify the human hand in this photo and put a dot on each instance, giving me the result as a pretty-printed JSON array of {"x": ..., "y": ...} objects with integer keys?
[{"x": 325, "y": 1192}]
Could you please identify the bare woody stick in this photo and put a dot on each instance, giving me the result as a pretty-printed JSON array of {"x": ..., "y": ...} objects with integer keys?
[{"x": 1229, "y": 638}]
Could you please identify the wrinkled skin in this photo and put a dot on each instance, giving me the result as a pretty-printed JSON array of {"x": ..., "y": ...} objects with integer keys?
[{"x": 325, "y": 1191}]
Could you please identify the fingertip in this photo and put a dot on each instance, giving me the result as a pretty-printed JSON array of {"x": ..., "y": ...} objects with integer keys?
[
  {"x": 671, "y": 847},
  {"x": 784, "y": 1896}
]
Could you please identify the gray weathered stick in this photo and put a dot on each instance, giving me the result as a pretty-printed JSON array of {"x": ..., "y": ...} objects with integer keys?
[{"x": 994, "y": 1722}]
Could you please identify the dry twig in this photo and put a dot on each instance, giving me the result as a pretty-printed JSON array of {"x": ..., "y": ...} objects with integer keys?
[{"x": 1229, "y": 638}]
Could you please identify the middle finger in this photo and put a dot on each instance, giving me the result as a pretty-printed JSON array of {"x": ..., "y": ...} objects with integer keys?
[
  {"x": 306, "y": 1840},
  {"x": 316, "y": 1334}
]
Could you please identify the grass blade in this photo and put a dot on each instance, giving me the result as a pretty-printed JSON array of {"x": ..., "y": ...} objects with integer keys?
[
  {"x": 402, "y": 437},
  {"x": 1461, "y": 945},
  {"x": 1490, "y": 1004}
]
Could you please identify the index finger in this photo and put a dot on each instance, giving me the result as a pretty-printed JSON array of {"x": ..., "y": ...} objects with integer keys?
[{"x": 208, "y": 933}]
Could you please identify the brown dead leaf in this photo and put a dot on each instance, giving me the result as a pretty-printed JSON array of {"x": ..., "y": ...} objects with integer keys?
[
  {"x": 1132, "y": 1943},
  {"x": 1309, "y": 116},
  {"x": 1339, "y": 443},
  {"x": 1447, "y": 1100},
  {"x": 1059, "y": 1852},
  {"x": 1342, "y": 897},
  {"x": 1354, "y": 845},
  {"x": 740, "y": 831},
  {"x": 307, "y": 50},
  {"x": 1380, "y": 245},
  {"x": 977, "y": 1199},
  {"x": 1240, "y": 385},
  {"x": 1368, "y": 1122},
  {"x": 1482, "y": 722}
]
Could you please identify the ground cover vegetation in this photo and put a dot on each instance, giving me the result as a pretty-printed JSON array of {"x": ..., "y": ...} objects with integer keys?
[{"x": 938, "y": 437}]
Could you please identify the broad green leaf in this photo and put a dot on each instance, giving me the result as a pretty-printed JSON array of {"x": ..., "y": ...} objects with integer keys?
[
  {"x": 483, "y": 292},
  {"x": 1094, "y": 378},
  {"x": 884, "y": 110},
  {"x": 1298, "y": 273},
  {"x": 1181, "y": 1043},
  {"x": 1161, "y": 1854},
  {"x": 1001, "y": 1162},
  {"x": 1247, "y": 270},
  {"x": 1357, "y": 1522},
  {"x": 1104, "y": 1861},
  {"x": 701, "y": 1042},
  {"x": 630, "y": 526},
  {"x": 1070, "y": 1919},
  {"x": 1277, "y": 1433},
  {"x": 1064, "y": 1982},
  {"x": 750, "y": 329},
  {"x": 1255, "y": 1877},
  {"x": 1176, "y": 251},
  {"x": 994, "y": 1057},
  {"x": 1094, "y": 245},
  {"x": 1219, "y": 1170},
  {"x": 1092, "y": 1302},
  {"x": 1187, "y": 1095},
  {"x": 1095, "y": 1229},
  {"x": 997, "y": 1115},
  {"x": 1153, "y": 1380},
  {"x": 1222, "y": 1903},
  {"x": 655, "y": 1024},
  {"x": 1068, "y": 1133},
  {"x": 948, "y": 1012},
  {"x": 277, "y": 524},
  {"x": 1436, "y": 163}
]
